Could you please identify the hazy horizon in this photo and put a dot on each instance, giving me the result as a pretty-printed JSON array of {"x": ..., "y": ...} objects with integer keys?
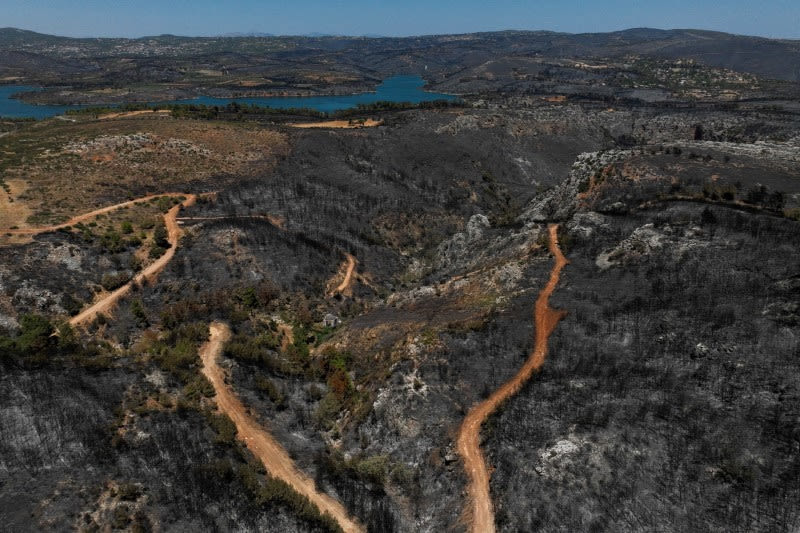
[
  {"x": 207, "y": 18},
  {"x": 257, "y": 33}
]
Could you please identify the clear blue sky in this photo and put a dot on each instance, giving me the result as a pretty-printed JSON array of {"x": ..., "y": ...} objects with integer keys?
[{"x": 129, "y": 18}]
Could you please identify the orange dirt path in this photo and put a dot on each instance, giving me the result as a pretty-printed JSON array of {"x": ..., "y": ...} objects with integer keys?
[
  {"x": 149, "y": 273},
  {"x": 258, "y": 440},
  {"x": 348, "y": 276},
  {"x": 288, "y": 336},
  {"x": 91, "y": 214},
  {"x": 339, "y": 124},
  {"x": 153, "y": 112},
  {"x": 479, "y": 510}
]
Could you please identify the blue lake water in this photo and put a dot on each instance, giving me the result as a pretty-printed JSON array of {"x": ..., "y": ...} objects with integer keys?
[
  {"x": 15, "y": 108},
  {"x": 394, "y": 89}
]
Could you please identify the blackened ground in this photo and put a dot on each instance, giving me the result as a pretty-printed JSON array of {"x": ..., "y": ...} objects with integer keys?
[
  {"x": 669, "y": 400},
  {"x": 77, "y": 454}
]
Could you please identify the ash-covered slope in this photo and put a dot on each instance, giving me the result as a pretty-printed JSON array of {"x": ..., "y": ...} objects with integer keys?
[{"x": 669, "y": 398}]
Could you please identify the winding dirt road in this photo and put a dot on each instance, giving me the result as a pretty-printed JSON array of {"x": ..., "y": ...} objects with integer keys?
[
  {"x": 258, "y": 440},
  {"x": 91, "y": 214},
  {"x": 479, "y": 511},
  {"x": 339, "y": 124},
  {"x": 149, "y": 273},
  {"x": 348, "y": 277}
]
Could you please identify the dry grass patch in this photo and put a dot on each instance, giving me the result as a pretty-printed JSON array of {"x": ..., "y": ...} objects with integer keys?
[
  {"x": 72, "y": 168},
  {"x": 13, "y": 212},
  {"x": 126, "y": 114},
  {"x": 340, "y": 124}
]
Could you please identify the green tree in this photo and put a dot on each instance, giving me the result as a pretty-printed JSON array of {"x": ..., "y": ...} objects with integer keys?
[
  {"x": 137, "y": 309},
  {"x": 67, "y": 339},
  {"x": 35, "y": 336}
]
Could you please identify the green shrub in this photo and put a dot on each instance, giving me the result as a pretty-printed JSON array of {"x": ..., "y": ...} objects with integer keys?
[
  {"x": 247, "y": 297},
  {"x": 137, "y": 309},
  {"x": 94, "y": 362},
  {"x": 259, "y": 350},
  {"x": 196, "y": 332},
  {"x": 149, "y": 223},
  {"x": 179, "y": 359},
  {"x": 156, "y": 251},
  {"x": 8, "y": 348},
  {"x": 35, "y": 335},
  {"x": 327, "y": 411},
  {"x": 272, "y": 491},
  {"x": 160, "y": 235},
  {"x": 373, "y": 469},
  {"x": 197, "y": 388},
  {"x": 113, "y": 242},
  {"x": 274, "y": 393},
  {"x": 164, "y": 203},
  {"x": 403, "y": 476},
  {"x": 224, "y": 427},
  {"x": 111, "y": 282}
]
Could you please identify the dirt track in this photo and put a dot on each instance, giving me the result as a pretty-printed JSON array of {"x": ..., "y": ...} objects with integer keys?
[
  {"x": 146, "y": 275},
  {"x": 153, "y": 112},
  {"x": 258, "y": 440},
  {"x": 149, "y": 273},
  {"x": 288, "y": 336},
  {"x": 91, "y": 214},
  {"x": 339, "y": 124},
  {"x": 348, "y": 277},
  {"x": 479, "y": 510},
  {"x": 254, "y": 436}
]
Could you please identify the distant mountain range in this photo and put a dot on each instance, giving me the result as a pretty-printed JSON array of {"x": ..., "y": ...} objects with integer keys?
[
  {"x": 770, "y": 58},
  {"x": 312, "y": 34},
  {"x": 248, "y": 34}
]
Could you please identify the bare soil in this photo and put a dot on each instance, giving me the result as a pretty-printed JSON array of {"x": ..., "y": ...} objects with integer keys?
[
  {"x": 147, "y": 275},
  {"x": 339, "y": 124},
  {"x": 258, "y": 440},
  {"x": 134, "y": 113},
  {"x": 345, "y": 287},
  {"x": 13, "y": 212},
  {"x": 480, "y": 512}
]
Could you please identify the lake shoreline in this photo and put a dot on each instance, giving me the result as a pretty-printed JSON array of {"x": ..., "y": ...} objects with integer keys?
[
  {"x": 46, "y": 95},
  {"x": 394, "y": 89}
]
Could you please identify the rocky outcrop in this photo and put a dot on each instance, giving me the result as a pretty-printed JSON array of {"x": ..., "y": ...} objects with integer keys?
[
  {"x": 459, "y": 245},
  {"x": 560, "y": 202},
  {"x": 646, "y": 240}
]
